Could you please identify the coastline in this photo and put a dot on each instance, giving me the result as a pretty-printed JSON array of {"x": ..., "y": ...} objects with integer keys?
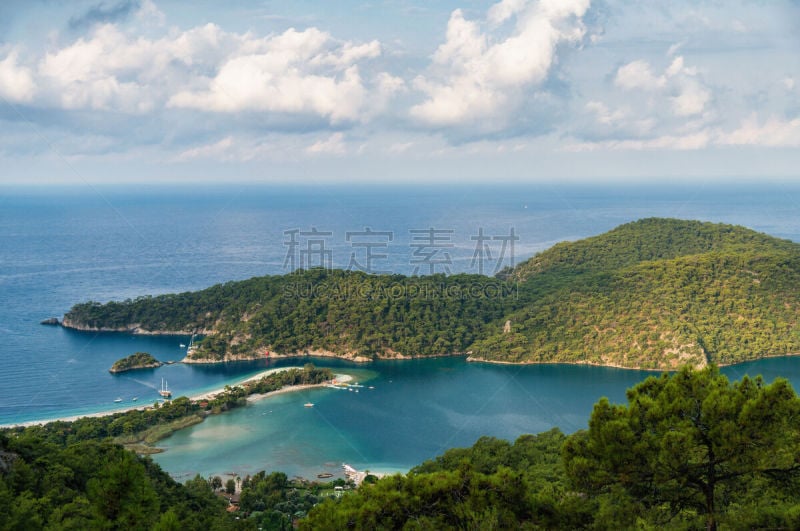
[
  {"x": 470, "y": 359},
  {"x": 343, "y": 378},
  {"x": 133, "y": 329},
  {"x": 320, "y": 354},
  {"x": 256, "y": 397}
]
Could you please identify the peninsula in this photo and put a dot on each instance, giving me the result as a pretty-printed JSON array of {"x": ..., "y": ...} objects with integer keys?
[{"x": 653, "y": 294}]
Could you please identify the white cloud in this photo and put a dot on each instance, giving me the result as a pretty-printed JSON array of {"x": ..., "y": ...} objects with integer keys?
[
  {"x": 477, "y": 75},
  {"x": 638, "y": 75},
  {"x": 603, "y": 114},
  {"x": 205, "y": 68},
  {"x": 774, "y": 132},
  {"x": 294, "y": 72},
  {"x": 218, "y": 150},
  {"x": 504, "y": 10},
  {"x": 667, "y": 142},
  {"x": 333, "y": 145},
  {"x": 691, "y": 100},
  {"x": 690, "y": 95},
  {"x": 668, "y": 109},
  {"x": 16, "y": 82},
  {"x": 674, "y": 49}
]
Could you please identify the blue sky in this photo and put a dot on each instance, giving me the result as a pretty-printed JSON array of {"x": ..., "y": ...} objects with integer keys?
[{"x": 398, "y": 91}]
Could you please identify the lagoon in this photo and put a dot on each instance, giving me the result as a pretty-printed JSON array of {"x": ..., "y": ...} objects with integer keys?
[
  {"x": 418, "y": 409},
  {"x": 60, "y": 246}
]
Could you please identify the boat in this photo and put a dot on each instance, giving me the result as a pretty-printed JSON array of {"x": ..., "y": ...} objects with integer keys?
[
  {"x": 165, "y": 392},
  {"x": 183, "y": 346},
  {"x": 308, "y": 404},
  {"x": 118, "y": 400},
  {"x": 192, "y": 347},
  {"x": 135, "y": 398},
  {"x": 325, "y": 475}
]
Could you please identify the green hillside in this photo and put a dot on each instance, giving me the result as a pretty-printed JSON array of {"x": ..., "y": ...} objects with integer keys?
[
  {"x": 655, "y": 293},
  {"x": 346, "y": 313}
]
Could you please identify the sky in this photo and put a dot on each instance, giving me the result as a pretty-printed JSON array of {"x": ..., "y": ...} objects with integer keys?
[{"x": 312, "y": 91}]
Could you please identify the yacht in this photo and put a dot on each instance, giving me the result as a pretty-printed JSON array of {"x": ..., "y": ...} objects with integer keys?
[{"x": 165, "y": 392}]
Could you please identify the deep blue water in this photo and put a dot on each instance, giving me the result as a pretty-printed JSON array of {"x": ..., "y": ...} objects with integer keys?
[{"x": 62, "y": 246}]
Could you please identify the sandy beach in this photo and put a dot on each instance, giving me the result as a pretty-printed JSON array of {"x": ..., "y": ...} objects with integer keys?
[
  {"x": 258, "y": 376},
  {"x": 340, "y": 378}
]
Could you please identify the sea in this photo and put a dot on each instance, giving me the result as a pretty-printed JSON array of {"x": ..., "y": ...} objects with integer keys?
[{"x": 64, "y": 245}]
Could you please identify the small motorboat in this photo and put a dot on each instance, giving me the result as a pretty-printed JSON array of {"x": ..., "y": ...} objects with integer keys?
[
  {"x": 308, "y": 404},
  {"x": 118, "y": 399}
]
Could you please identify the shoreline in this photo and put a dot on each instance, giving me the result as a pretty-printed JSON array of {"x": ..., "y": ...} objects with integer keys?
[
  {"x": 470, "y": 359},
  {"x": 319, "y": 354},
  {"x": 201, "y": 396},
  {"x": 341, "y": 378},
  {"x": 256, "y": 397}
]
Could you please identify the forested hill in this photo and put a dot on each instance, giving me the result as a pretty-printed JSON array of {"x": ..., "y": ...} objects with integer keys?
[
  {"x": 647, "y": 240},
  {"x": 655, "y": 293}
]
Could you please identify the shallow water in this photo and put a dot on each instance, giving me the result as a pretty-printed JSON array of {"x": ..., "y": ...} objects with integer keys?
[
  {"x": 62, "y": 246},
  {"x": 417, "y": 410}
]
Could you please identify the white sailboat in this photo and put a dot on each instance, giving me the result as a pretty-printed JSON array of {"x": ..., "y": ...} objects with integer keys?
[
  {"x": 165, "y": 392},
  {"x": 192, "y": 346}
]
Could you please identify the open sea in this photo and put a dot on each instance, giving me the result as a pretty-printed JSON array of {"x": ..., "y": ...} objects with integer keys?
[{"x": 60, "y": 246}]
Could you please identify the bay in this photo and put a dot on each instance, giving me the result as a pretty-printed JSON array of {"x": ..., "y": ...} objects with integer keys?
[
  {"x": 59, "y": 246},
  {"x": 416, "y": 411}
]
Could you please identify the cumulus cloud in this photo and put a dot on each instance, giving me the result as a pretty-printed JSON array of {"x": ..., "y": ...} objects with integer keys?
[
  {"x": 651, "y": 109},
  {"x": 294, "y": 72},
  {"x": 638, "y": 75},
  {"x": 691, "y": 99},
  {"x": 478, "y": 72},
  {"x": 204, "y": 68},
  {"x": 16, "y": 81},
  {"x": 773, "y": 132},
  {"x": 689, "y": 95}
]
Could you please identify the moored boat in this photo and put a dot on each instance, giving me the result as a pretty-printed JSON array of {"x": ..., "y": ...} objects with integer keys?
[{"x": 165, "y": 392}]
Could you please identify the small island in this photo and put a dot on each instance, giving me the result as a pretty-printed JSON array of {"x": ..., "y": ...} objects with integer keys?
[{"x": 138, "y": 360}]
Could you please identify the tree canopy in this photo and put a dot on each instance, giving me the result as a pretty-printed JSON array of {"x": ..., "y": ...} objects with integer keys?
[
  {"x": 656, "y": 293},
  {"x": 688, "y": 450},
  {"x": 691, "y": 443}
]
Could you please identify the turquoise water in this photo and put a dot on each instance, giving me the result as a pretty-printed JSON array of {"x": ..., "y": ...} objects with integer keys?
[
  {"x": 417, "y": 410},
  {"x": 62, "y": 246}
]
